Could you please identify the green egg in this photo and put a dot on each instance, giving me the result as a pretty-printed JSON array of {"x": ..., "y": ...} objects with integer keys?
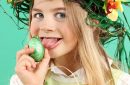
[{"x": 38, "y": 53}]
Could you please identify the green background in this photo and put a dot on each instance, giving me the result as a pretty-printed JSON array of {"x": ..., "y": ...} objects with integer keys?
[{"x": 12, "y": 39}]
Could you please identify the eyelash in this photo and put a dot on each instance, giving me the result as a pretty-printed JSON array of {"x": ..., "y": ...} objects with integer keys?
[
  {"x": 61, "y": 15},
  {"x": 38, "y": 15},
  {"x": 58, "y": 15}
]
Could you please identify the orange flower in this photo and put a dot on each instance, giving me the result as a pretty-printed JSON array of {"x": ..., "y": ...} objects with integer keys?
[{"x": 112, "y": 7}]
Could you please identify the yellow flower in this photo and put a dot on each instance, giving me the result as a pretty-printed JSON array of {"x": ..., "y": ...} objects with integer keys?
[
  {"x": 119, "y": 5},
  {"x": 9, "y": 1},
  {"x": 113, "y": 15}
]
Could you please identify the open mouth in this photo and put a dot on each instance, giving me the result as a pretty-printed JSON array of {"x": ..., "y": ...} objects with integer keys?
[
  {"x": 50, "y": 38},
  {"x": 50, "y": 42}
]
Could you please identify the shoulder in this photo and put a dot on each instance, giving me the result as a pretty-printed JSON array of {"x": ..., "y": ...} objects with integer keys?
[
  {"x": 15, "y": 80},
  {"x": 120, "y": 77}
]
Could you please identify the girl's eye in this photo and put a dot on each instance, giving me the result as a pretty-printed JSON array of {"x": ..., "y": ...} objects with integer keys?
[
  {"x": 38, "y": 15},
  {"x": 60, "y": 15}
]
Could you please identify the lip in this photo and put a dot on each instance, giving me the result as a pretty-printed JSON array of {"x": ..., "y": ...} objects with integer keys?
[{"x": 50, "y": 38}]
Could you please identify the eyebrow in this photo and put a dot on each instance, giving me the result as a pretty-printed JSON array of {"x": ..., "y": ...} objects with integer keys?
[
  {"x": 59, "y": 8},
  {"x": 35, "y": 9},
  {"x": 55, "y": 9}
]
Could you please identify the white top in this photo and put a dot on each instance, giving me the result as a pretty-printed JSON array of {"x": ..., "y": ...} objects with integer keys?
[
  {"x": 120, "y": 77},
  {"x": 58, "y": 75}
]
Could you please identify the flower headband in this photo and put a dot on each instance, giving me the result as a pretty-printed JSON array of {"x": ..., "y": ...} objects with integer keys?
[{"x": 105, "y": 11}]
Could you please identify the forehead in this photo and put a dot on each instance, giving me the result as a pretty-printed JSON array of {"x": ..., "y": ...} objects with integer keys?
[{"x": 48, "y": 3}]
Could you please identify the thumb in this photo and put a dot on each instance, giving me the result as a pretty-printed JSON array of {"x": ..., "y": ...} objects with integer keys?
[{"x": 43, "y": 65}]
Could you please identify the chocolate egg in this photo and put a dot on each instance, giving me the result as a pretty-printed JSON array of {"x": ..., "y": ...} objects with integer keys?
[{"x": 38, "y": 53}]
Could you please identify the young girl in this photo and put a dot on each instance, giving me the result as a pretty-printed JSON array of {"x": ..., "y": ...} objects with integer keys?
[{"x": 73, "y": 55}]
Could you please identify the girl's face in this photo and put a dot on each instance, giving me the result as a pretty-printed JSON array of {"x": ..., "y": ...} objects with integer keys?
[{"x": 50, "y": 24}]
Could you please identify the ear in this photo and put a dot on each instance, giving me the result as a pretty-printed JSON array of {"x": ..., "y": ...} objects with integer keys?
[{"x": 95, "y": 21}]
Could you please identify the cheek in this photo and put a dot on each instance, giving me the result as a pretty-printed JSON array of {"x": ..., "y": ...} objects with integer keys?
[
  {"x": 33, "y": 29},
  {"x": 69, "y": 35},
  {"x": 68, "y": 32}
]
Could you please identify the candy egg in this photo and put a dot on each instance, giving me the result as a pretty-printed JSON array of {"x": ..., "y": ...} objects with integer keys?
[{"x": 38, "y": 53}]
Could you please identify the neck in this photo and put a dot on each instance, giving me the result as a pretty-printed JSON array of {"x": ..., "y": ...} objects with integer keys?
[{"x": 69, "y": 61}]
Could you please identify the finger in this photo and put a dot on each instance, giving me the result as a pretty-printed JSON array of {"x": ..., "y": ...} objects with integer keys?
[
  {"x": 29, "y": 66},
  {"x": 21, "y": 66},
  {"x": 26, "y": 51},
  {"x": 26, "y": 46},
  {"x": 43, "y": 65},
  {"x": 26, "y": 64},
  {"x": 30, "y": 59}
]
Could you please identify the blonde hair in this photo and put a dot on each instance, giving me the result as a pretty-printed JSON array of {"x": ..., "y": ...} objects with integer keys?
[{"x": 92, "y": 56}]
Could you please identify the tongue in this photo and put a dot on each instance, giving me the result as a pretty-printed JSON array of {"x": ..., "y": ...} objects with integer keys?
[{"x": 49, "y": 43}]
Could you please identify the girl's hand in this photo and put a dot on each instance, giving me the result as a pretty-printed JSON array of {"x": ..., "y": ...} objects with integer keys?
[{"x": 29, "y": 71}]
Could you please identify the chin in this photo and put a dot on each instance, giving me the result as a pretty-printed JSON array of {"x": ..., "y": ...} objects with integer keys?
[{"x": 55, "y": 54}]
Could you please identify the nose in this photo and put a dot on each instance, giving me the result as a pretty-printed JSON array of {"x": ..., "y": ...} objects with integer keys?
[{"x": 47, "y": 25}]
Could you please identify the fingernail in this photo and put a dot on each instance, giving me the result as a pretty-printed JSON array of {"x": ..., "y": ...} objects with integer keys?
[
  {"x": 32, "y": 49},
  {"x": 26, "y": 46},
  {"x": 34, "y": 65}
]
